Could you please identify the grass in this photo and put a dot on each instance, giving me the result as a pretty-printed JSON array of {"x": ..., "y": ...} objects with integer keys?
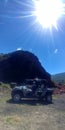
[
  {"x": 13, "y": 119},
  {"x": 30, "y": 115},
  {"x": 55, "y": 97},
  {"x": 4, "y": 88},
  {"x": 3, "y": 85}
]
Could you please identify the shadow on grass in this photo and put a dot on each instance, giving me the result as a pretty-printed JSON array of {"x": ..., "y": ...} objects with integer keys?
[{"x": 29, "y": 102}]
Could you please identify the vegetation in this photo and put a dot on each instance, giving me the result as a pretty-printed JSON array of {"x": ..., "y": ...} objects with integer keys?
[
  {"x": 32, "y": 114},
  {"x": 59, "y": 78},
  {"x": 4, "y": 88}
]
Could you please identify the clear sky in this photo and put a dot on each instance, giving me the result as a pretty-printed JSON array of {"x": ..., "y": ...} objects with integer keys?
[{"x": 19, "y": 31}]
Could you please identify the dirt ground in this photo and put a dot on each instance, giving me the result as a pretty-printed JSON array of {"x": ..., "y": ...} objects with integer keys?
[{"x": 31, "y": 114}]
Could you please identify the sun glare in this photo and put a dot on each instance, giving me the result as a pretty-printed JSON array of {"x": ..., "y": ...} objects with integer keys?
[{"x": 48, "y": 12}]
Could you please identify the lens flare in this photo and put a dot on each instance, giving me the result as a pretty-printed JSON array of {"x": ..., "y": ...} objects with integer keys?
[
  {"x": 44, "y": 14},
  {"x": 48, "y": 12}
]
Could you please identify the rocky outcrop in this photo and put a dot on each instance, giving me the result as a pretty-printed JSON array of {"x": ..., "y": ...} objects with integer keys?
[{"x": 20, "y": 65}]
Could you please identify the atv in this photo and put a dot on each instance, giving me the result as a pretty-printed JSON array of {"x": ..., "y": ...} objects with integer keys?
[{"x": 33, "y": 88}]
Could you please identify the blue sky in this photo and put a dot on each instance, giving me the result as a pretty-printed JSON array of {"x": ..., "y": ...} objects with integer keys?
[{"x": 17, "y": 32}]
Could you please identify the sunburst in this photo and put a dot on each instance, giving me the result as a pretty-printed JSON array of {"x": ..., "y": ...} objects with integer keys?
[{"x": 48, "y": 12}]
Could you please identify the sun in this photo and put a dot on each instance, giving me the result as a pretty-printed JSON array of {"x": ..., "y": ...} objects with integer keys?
[{"x": 48, "y": 12}]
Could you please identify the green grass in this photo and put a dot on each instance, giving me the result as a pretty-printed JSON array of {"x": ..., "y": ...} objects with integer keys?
[
  {"x": 13, "y": 119},
  {"x": 3, "y": 85},
  {"x": 5, "y": 88}
]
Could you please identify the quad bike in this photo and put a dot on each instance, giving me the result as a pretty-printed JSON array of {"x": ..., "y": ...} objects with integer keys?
[{"x": 38, "y": 89}]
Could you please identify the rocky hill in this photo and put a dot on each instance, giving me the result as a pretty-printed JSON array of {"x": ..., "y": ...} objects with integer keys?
[{"x": 20, "y": 65}]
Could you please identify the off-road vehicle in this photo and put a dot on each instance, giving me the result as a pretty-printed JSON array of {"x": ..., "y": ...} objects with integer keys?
[{"x": 33, "y": 88}]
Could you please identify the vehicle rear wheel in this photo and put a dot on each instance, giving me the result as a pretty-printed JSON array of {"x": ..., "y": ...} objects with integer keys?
[
  {"x": 48, "y": 98},
  {"x": 16, "y": 97}
]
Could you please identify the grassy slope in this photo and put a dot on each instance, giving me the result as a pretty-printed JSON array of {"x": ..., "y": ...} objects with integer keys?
[{"x": 59, "y": 78}]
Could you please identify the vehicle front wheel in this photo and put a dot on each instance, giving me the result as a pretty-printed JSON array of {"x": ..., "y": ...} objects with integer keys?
[
  {"x": 48, "y": 98},
  {"x": 16, "y": 97}
]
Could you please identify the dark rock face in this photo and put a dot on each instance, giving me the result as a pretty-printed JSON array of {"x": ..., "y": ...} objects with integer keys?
[{"x": 20, "y": 65}]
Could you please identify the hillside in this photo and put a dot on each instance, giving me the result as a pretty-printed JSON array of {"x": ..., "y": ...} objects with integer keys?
[
  {"x": 59, "y": 78},
  {"x": 20, "y": 65}
]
